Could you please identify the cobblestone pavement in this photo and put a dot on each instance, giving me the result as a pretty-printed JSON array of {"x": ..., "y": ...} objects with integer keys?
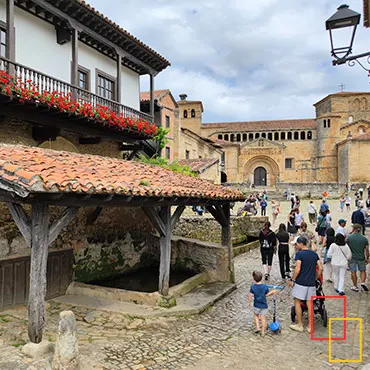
[{"x": 221, "y": 338}]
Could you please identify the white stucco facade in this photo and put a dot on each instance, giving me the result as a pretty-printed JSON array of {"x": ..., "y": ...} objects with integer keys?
[{"x": 37, "y": 48}]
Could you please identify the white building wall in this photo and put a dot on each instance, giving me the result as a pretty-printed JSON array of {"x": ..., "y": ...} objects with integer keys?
[{"x": 37, "y": 48}]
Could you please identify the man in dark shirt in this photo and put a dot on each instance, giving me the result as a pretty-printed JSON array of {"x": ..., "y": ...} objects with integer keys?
[
  {"x": 304, "y": 280},
  {"x": 359, "y": 218}
]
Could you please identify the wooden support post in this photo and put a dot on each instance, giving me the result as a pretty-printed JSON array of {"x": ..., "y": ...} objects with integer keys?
[
  {"x": 10, "y": 31},
  {"x": 165, "y": 246},
  {"x": 38, "y": 235},
  {"x": 39, "y": 256},
  {"x": 226, "y": 238},
  {"x": 74, "y": 67},
  {"x": 151, "y": 110},
  {"x": 119, "y": 77}
]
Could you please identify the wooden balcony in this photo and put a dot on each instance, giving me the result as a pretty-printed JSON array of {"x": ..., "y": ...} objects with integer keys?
[{"x": 31, "y": 77}]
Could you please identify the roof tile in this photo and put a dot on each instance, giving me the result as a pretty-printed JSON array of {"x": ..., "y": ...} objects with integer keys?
[
  {"x": 79, "y": 173},
  {"x": 262, "y": 125}
]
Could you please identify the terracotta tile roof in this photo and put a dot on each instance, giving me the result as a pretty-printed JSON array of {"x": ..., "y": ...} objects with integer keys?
[
  {"x": 262, "y": 125},
  {"x": 33, "y": 170},
  {"x": 205, "y": 139},
  {"x": 158, "y": 94},
  {"x": 363, "y": 137},
  {"x": 199, "y": 165},
  {"x": 90, "y": 8}
]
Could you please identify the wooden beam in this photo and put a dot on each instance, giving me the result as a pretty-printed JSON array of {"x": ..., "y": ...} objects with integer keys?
[
  {"x": 74, "y": 66},
  {"x": 221, "y": 215},
  {"x": 165, "y": 246},
  {"x": 155, "y": 219},
  {"x": 93, "y": 216},
  {"x": 212, "y": 210},
  {"x": 68, "y": 215},
  {"x": 22, "y": 220},
  {"x": 119, "y": 77},
  {"x": 151, "y": 107},
  {"x": 176, "y": 216},
  {"x": 39, "y": 257}
]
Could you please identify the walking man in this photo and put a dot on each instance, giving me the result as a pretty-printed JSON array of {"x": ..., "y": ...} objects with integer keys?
[
  {"x": 308, "y": 268},
  {"x": 359, "y": 246},
  {"x": 359, "y": 218},
  {"x": 312, "y": 212}
]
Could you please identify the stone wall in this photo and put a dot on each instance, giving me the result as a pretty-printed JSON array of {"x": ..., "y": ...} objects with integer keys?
[
  {"x": 209, "y": 230},
  {"x": 315, "y": 190}
]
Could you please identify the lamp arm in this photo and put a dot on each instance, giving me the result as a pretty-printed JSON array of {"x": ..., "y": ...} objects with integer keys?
[{"x": 344, "y": 60}]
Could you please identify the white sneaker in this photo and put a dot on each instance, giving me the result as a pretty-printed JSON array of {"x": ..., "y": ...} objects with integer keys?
[
  {"x": 355, "y": 288},
  {"x": 297, "y": 327}
]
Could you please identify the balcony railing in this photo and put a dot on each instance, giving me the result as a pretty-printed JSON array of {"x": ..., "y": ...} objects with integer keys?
[{"x": 30, "y": 77}]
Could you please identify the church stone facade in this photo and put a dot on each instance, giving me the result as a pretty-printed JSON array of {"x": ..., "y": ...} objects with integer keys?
[{"x": 333, "y": 147}]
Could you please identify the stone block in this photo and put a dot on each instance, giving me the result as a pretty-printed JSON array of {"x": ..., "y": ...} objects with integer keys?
[
  {"x": 38, "y": 350},
  {"x": 66, "y": 355},
  {"x": 4, "y": 247}
]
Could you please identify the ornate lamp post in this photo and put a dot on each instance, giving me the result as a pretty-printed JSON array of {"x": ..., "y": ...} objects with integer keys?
[{"x": 345, "y": 18}]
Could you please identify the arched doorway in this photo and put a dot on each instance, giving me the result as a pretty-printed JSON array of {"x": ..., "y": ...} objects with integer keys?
[
  {"x": 223, "y": 177},
  {"x": 260, "y": 176}
]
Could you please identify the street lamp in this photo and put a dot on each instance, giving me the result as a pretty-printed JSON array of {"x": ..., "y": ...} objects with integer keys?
[{"x": 345, "y": 18}]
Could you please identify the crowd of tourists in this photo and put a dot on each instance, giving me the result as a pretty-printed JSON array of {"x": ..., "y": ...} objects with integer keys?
[{"x": 306, "y": 257}]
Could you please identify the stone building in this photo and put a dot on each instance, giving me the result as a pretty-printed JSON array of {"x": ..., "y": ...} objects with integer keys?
[
  {"x": 185, "y": 141},
  {"x": 332, "y": 147}
]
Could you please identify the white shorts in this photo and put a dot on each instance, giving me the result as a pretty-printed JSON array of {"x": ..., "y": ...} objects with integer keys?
[{"x": 304, "y": 293}]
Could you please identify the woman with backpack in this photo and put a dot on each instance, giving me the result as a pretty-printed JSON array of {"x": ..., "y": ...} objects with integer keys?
[
  {"x": 340, "y": 254},
  {"x": 268, "y": 244}
]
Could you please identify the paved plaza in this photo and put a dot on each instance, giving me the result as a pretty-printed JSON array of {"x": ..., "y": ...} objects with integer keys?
[{"x": 221, "y": 338}]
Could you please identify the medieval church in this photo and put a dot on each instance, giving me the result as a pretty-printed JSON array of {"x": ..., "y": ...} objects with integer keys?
[{"x": 333, "y": 147}]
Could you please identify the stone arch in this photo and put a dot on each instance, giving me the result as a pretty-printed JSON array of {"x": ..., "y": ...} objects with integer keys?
[
  {"x": 271, "y": 167},
  {"x": 60, "y": 143}
]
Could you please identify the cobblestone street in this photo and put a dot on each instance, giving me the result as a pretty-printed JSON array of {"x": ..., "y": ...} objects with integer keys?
[{"x": 221, "y": 338}]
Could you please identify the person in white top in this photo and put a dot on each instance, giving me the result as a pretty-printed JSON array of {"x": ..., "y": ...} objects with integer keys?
[
  {"x": 347, "y": 201},
  {"x": 340, "y": 254},
  {"x": 342, "y": 228},
  {"x": 298, "y": 218},
  {"x": 312, "y": 212}
]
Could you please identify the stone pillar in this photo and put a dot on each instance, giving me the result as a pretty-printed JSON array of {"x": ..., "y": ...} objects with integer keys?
[{"x": 66, "y": 355}]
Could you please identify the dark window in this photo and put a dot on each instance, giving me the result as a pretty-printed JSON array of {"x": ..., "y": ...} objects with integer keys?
[
  {"x": 232, "y": 137},
  {"x": 167, "y": 122},
  {"x": 250, "y": 137},
  {"x": 324, "y": 123},
  {"x": 303, "y": 135},
  {"x": 83, "y": 79},
  {"x": 105, "y": 87},
  {"x": 282, "y": 136},
  {"x": 238, "y": 137},
  {"x": 200, "y": 157},
  {"x": 263, "y": 134},
  {"x": 276, "y": 136},
  {"x": 309, "y": 135},
  {"x": 168, "y": 152},
  {"x": 226, "y": 137},
  {"x": 289, "y": 135},
  {"x": 269, "y": 135},
  {"x": 244, "y": 137},
  {"x": 328, "y": 122},
  {"x": 2, "y": 42},
  {"x": 192, "y": 113},
  {"x": 296, "y": 135},
  {"x": 288, "y": 162},
  {"x": 219, "y": 137},
  {"x": 257, "y": 135},
  {"x": 187, "y": 154},
  {"x": 185, "y": 113}
]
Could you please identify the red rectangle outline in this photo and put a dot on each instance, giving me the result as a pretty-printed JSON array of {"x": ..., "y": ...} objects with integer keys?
[{"x": 344, "y": 315}]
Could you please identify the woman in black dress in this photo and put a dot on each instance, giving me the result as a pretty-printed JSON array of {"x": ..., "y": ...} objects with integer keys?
[
  {"x": 283, "y": 251},
  {"x": 268, "y": 244},
  {"x": 292, "y": 230}
]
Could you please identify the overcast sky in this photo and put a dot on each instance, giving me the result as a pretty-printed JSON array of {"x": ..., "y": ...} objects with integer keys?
[{"x": 246, "y": 60}]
